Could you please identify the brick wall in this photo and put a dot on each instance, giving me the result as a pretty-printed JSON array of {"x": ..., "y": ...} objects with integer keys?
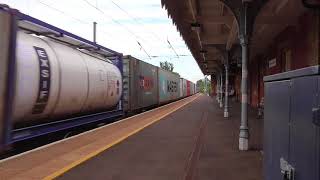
[
  {"x": 213, "y": 86},
  {"x": 306, "y": 42},
  {"x": 299, "y": 43}
]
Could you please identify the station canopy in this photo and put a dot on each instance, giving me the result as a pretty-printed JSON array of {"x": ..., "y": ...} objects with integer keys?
[{"x": 209, "y": 25}]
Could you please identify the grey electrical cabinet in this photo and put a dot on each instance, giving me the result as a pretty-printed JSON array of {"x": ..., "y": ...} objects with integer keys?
[{"x": 291, "y": 125}]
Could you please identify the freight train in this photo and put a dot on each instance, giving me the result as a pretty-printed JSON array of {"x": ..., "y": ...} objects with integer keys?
[
  {"x": 146, "y": 85},
  {"x": 54, "y": 80}
]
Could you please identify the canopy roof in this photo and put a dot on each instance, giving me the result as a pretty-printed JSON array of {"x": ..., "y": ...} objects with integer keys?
[{"x": 207, "y": 26}]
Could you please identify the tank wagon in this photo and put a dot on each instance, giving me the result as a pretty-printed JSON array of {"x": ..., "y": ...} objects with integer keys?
[
  {"x": 61, "y": 80},
  {"x": 52, "y": 80}
]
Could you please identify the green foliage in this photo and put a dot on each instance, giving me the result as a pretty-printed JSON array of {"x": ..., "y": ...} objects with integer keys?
[
  {"x": 166, "y": 66},
  {"x": 201, "y": 85}
]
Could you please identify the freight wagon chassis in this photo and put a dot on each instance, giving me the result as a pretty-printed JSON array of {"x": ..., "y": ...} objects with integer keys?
[
  {"x": 11, "y": 21},
  {"x": 42, "y": 129}
]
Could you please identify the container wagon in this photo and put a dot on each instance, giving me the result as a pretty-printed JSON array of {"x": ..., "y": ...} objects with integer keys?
[
  {"x": 140, "y": 81},
  {"x": 168, "y": 86},
  {"x": 184, "y": 86},
  {"x": 191, "y": 88},
  {"x": 181, "y": 88},
  {"x": 188, "y": 88},
  {"x": 146, "y": 86}
]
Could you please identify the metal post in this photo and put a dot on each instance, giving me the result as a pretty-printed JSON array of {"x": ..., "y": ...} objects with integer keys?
[
  {"x": 217, "y": 89},
  {"x": 205, "y": 85},
  {"x": 226, "y": 99},
  {"x": 244, "y": 41},
  {"x": 95, "y": 32},
  {"x": 221, "y": 90},
  {"x": 244, "y": 130}
]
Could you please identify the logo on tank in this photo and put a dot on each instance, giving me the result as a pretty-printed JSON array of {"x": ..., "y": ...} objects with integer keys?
[{"x": 44, "y": 81}]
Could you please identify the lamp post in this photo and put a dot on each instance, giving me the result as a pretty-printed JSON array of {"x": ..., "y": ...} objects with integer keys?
[{"x": 95, "y": 32}]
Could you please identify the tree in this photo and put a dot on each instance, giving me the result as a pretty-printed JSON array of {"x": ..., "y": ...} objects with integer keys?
[
  {"x": 201, "y": 85},
  {"x": 166, "y": 66}
]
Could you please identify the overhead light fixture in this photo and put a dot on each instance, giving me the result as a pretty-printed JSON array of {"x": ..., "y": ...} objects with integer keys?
[
  {"x": 195, "y": 26},
  {"x": 203, "y": 51},
  {"x": 315, "y": 4}
]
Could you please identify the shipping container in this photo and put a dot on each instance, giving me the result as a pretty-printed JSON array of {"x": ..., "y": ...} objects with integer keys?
[
  {"x": 168, "y": 84},
  {"x": 181, "y": 87},
  {"x": 99, "y": 88},
  {"x": 184, "y": 88},
  {"x": 191, "y": 88},
  {"x": 140, "y": 84},
  {"x": 188, "y": 88}
]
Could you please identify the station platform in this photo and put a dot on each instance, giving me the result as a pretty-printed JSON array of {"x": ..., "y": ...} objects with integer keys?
[{"x": 187, "y": 139}]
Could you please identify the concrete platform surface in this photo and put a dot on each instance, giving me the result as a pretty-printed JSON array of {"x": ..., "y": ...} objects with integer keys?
[{"x": 194, "y": 142}]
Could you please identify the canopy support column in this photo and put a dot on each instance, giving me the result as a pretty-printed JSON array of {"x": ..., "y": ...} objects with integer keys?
[
  {"x": 244, "y": 36},
  {"x": 226, "y": 99},
  {"x": 221, "y": 90}
]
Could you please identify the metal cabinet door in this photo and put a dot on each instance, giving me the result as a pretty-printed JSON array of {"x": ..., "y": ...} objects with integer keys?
[
  {"x": 276, "y": 129},
  {"x": 304, "y": 137}
]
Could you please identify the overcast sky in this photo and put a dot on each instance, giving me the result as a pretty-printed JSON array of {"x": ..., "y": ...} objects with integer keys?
[{"x": 121, "y": 25}]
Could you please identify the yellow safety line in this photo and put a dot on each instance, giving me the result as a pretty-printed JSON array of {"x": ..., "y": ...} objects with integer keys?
[{"x": 95, "y": 153}]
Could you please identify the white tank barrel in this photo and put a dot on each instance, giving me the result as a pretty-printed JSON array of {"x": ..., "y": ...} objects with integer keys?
[{"x": 56, "y": 81}]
